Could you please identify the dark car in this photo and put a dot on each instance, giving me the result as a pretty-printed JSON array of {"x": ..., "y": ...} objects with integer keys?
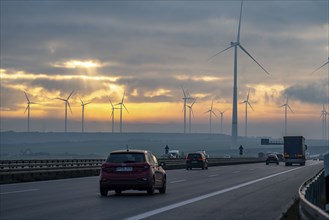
[
  {"x": 196, "y": 160},
  {"x": 132, "y": 170},
  {"x": 272, "y": 158}
]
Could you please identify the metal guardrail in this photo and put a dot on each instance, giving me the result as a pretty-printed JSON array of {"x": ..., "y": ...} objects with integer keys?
[
  {"x": 31, "y": 170},
  {"x": 312, "y": 198},
  {"x": 30, "y": 165}
]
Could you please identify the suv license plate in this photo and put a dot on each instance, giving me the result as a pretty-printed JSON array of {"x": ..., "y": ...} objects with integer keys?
[{"x": 124, "y": 169}]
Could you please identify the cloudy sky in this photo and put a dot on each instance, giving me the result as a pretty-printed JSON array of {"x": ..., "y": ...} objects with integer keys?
[{"x": 151, "y": 50}]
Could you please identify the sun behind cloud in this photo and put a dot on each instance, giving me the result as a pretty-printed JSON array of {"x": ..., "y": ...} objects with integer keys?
[{"x": 74, "y": 64}]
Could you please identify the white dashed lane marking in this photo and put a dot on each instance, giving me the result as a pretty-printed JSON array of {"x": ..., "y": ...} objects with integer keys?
[
  {"x": 177, "y": 181},
  {"x": 20, "y": 191}
]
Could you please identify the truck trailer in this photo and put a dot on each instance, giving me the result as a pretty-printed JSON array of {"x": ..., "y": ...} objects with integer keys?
[{"x": 294, "y": 150}]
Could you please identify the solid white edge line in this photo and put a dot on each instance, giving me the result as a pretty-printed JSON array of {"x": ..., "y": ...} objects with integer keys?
[
  {"x": 20, "y": 191},
  {"x": 196, "y": 199}
]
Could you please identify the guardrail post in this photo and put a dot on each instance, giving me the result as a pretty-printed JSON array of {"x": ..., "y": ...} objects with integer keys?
[{"x": 326, "y": 179}]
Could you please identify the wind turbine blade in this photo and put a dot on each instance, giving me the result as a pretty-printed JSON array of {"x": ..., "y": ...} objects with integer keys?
[
  {"x": 87, "y": 103},
  {"x": 26, "y": 108},
  {"x": 290, "y": 109},
  {"x": 192, "y": 113},
  {"x": 251, "y": 106},
  {"x": 320, "y": 67},
  {"x": 214, "y": 114},
  {"x": 81, "y": 101},
  {"x": 123, "y": 97},
  {"x": 248, "y": 95},
  {"x": 220, "y": 52},
  {"x": 193, "y": 102},
  {"x": 244, "y": 50},
  {"x": 184, "y": 92},
  {"x": 238, "y": 38},
  {"x": 125, "y": 107},
  {"x": 111, "y": 103},
  {"x": 27, "y": 98},
  {"x": 69, "y": 106},
  {"x": 70, "y": 95}
]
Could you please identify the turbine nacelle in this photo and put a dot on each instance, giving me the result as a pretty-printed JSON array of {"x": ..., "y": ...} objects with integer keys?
[{"x": 234, "y": 44}]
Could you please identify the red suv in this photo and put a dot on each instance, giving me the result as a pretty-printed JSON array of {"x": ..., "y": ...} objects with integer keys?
[{"x": 132, "y": 169}]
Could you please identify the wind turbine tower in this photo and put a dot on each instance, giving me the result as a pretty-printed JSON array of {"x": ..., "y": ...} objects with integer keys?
[
  {"x": 185, "y": 98},
  {"x": 235, "y": 106},
  {"x": 112, "y": 114},
  {"x": 190, "y": 112},
  {"x": 286, "y": 106},
  {"x": 221, "y": 121},
  {"x": 66, "y": 104},
  {"x": 83, "y": 114},
  {"x": 246, "y": 102},
  {"x": 121, "y": 104},
  {"x": 211, "y": 112},
  {"x": 324, "y": 114},
  {"x": 28, "y": 111}
]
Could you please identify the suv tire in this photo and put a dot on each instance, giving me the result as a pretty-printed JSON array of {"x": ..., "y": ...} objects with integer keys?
[
  {"x": 164, "y": 186},
  {"x": 150, "y": 190},
  {"x": 103, "y": 191}
]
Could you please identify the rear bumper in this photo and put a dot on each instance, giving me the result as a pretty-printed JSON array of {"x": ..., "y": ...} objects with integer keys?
[
  {"x": 295, "y": 160},
  {"x": 135, "y": 184},
  {"x": 196, "y": 165}
]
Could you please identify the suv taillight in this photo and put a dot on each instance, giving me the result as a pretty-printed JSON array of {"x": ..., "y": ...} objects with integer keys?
[
  {"x": 141, "y": 168},
  {"x": 107, "y": 168}
]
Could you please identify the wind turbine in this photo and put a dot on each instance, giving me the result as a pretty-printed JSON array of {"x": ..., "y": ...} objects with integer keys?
[
  {"x": 83, "y": 114},
  {"x": 324, "y": 114},
  {"x": 246, "y": 112},
  {"x": 122, "y": 104},
  {"x": 210, "y": 114},
  {"x": 321, "y": 66},
  {"x": 286, "y": 106},
  {"x": 235, "y": 106},
  {"x": 190, "y": 112},
  {"x": 186, "y": 97},
  {"x": 66, "y": 104},
  {"x": 28, "y": 111},
  {"x": 112, "y": 115},
  {"x": 221, "y": 121}
]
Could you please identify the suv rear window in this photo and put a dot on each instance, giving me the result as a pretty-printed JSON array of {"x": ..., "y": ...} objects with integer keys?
[
  {"x": 190, "y": 156},
  {"x": 126, "y": 158}
]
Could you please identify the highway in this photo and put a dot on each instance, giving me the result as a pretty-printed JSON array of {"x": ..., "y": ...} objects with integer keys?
[{"x": 248, "y": 191}]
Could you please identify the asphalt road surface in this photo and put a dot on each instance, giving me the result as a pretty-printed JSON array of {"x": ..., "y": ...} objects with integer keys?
[{"x": 252, "y": 191}]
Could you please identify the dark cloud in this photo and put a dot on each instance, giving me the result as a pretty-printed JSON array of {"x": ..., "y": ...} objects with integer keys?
[
  {"x": 10, "y": 99},
  {"x": 311, "y": 93}
]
